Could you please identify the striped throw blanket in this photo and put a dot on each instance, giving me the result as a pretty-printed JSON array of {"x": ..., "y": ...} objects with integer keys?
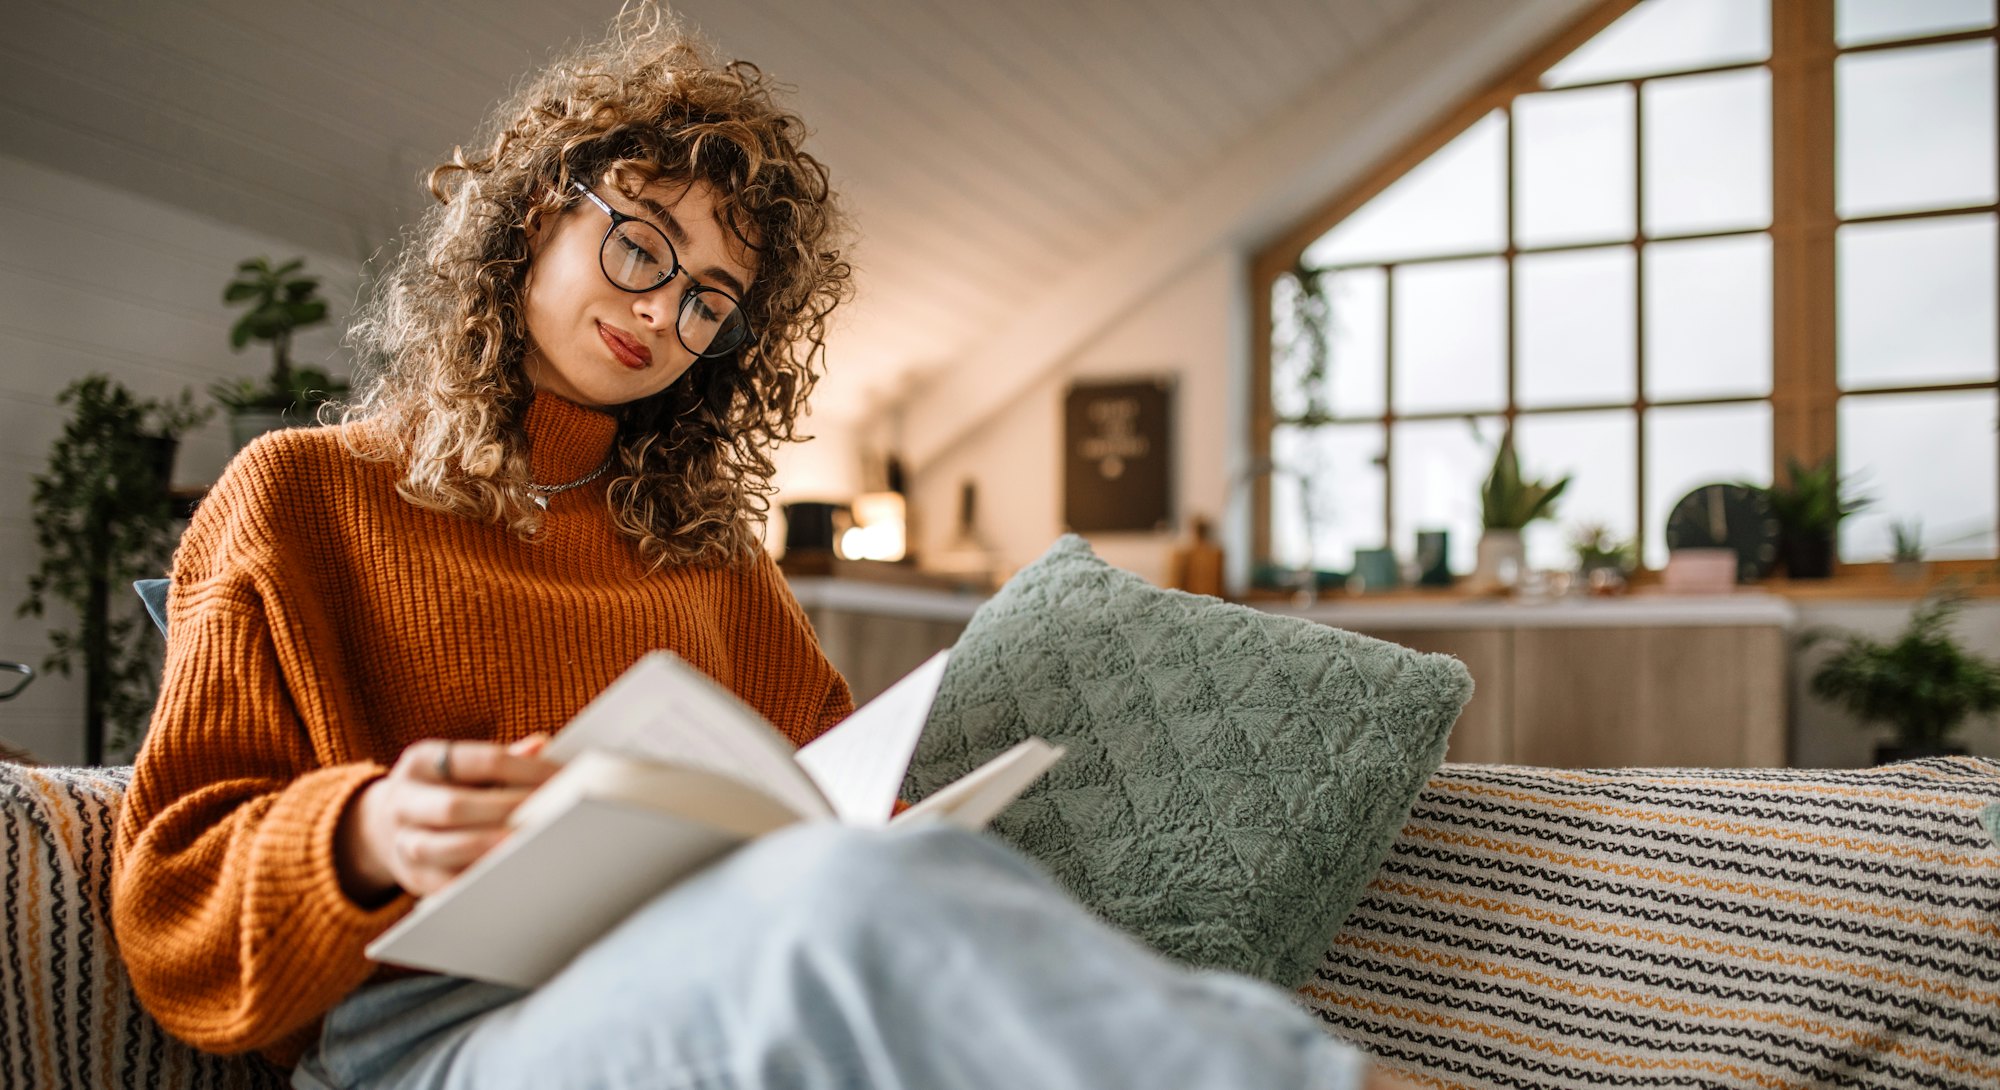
[
  {"x": 1654, "y": 928},
  {"x": 67, "y": 1015},
  {"x": 1531, "y": 928}
]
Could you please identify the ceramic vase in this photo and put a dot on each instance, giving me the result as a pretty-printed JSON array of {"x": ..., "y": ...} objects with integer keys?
[{"x": 1503, "y": 559}]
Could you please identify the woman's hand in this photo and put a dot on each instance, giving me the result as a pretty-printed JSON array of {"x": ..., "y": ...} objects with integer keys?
[{"x": 443, "y": 806}]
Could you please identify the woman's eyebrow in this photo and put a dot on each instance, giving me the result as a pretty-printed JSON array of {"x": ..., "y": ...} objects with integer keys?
[{"x": 678, "y": 235}]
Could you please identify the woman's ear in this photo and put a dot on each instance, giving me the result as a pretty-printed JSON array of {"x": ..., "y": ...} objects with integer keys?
[{"x": 536, "y": 224}]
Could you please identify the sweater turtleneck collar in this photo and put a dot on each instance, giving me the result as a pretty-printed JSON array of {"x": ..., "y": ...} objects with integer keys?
[{"x": 566, "y": 440}]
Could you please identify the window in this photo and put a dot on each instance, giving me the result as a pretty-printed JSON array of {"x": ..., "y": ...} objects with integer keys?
[{"x": 1622, "y": 257}]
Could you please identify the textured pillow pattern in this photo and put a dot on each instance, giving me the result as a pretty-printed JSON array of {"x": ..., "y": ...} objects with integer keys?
[
  {"x": 1233, "y": 777},
  {"x": 68, "y": 1017},
  {"x": 1766, "y": 928}
]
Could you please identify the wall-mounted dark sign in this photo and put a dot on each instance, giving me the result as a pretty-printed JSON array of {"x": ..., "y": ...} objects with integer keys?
[{"x": 1117, "y": 457}]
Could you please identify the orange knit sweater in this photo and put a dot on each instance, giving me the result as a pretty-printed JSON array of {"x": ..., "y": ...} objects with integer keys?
[{"x": 320, "y": 623}]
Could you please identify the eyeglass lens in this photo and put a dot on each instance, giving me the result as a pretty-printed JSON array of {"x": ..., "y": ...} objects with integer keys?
[{"x": 639, "y": 258}]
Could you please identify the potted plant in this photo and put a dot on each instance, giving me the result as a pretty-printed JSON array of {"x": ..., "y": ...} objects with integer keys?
[
  {"x": 1921, "y": 682},
  {"x": 1508, "y": 503},
  {"x": 102, "y": 519},
  {"x": 1809, "y": 509},
  {"x": 281, "y": 302},
  {"x": 1907, "y": 560},
  {"x": 1602, "y": 561}
]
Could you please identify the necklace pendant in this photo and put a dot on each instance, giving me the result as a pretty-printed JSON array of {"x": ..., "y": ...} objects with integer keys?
[{"x": 541, "y": 501}]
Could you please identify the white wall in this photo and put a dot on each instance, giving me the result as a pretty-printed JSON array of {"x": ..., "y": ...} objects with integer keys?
[
  {"x": 94, "y": 279},
  {"x": 1186, "y": 331}
]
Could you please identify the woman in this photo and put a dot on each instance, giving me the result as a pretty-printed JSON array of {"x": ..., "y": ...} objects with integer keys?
[{"x": 580, "y": 365}]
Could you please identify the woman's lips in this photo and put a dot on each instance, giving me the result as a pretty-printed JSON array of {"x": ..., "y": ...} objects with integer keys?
[{"x": 629, "y": 352}]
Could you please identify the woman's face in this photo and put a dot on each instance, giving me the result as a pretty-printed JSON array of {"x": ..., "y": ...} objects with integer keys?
[{"x": 597, "y": 345}]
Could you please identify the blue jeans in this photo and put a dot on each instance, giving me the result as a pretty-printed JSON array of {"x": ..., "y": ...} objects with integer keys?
[{"x": 829, "y": 958}]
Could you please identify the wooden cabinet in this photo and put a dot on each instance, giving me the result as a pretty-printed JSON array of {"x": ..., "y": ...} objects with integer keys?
[
  {"x": 874, "y": 634},
  {"x": 1690, "y": 683},
  {"x": 1606, "y": 685}
]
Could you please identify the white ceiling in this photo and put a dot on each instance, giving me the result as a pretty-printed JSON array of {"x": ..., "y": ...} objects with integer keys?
[{"x": 987, "y": 149}]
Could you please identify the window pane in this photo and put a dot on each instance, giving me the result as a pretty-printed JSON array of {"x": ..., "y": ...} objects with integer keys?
[
  {"x": 1921, "y": 456},
  {"x": 1438, "y": 466},
  {"x": 1708, "y": 318},
  {"x": 1708, "y": 152},
  {"x": 1573, "y": 164},
  {"x": 1858, "y": 21},
  {"x": 1454, "y": 202},
  {"x": 1360, "y": 341},
  {"x": 1670, "y": 36},
  {"x": 1687, "y": 447},
  {"x": 1343, "y": 463},
  {"x": 1451, "y": 330},
  {"x": 1600, "y": 453},
  {"x": 1575, "y": 327},
  {"x": 1915, "y": 128},
  {"x": 1916, "y": 302}
]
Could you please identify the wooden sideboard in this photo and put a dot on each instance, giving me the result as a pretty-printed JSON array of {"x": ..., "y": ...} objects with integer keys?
[
  {"x": 1637, "y": 682},
  {"x": 874, "y": 633},
  {"x": 1641, "y": 682}
]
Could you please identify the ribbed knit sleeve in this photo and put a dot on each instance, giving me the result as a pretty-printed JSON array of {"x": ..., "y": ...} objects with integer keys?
[
  {"x": 807, "y": 696},
  {"x": 225, "y": 897}
]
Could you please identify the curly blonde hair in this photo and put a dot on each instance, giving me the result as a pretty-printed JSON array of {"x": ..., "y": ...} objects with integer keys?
[{"x": 443, "y": 338}]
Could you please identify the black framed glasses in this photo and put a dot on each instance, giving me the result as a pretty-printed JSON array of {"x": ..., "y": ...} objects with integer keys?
[{"x": 636, "y": 257}]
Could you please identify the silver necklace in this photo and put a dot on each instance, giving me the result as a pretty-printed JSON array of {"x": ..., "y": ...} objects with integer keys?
[{"x": 544, "y": 491}]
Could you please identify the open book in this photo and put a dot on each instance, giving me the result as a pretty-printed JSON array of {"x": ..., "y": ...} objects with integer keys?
[{"x": 665, "y": 772}]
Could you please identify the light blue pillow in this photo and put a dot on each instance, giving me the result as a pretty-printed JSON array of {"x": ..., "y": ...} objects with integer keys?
[
  {"x": 153, "y": 592},
  {"x": 1233, "y": 778}
]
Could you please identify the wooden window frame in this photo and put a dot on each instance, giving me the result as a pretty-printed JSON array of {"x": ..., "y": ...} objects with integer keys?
[{"x": 1805, "y": 220}]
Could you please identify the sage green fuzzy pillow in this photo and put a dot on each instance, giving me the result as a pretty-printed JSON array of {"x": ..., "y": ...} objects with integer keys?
[{"x": 1233, "y": 778}]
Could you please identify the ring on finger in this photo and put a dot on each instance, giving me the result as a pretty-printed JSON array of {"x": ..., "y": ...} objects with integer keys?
[{"x": 444, "y": 762}]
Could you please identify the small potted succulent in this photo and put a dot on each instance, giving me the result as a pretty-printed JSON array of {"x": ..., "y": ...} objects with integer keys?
[
  {"x": 1603, "y": 563},
  {"x": 1508, "y": 503},
  {"x": 1921, "y": 682},
  {"x": 1809, "y": 507},
  {"x": 281, "y": 302},
  {"x": 1907, "y": 560}
]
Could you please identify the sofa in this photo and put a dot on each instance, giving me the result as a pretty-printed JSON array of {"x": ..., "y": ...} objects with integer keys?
[{"x": 1529, "y": 927}]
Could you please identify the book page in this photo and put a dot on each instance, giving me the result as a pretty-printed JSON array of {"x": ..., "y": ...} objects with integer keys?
[
  {"x": 664, "y": 710},
  {"x": 976, "y": 798},
  {"x": 694, "y": 794},
  {"x": 526, "y": 908},
  {"x": 859, "y": 764}
]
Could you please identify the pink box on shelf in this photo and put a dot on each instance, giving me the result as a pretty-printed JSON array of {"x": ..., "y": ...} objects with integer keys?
[{"x": 1699, "y": 571}]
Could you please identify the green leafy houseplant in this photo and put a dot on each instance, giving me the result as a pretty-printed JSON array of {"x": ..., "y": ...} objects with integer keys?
[
  {"x": 1921, "y": 682},
  {"x": 1809, "y": 507},
  {"x": 1508, "y": 502},
  {"x": 281, "y": 302},
  {"x": 102, "y": 519}
]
